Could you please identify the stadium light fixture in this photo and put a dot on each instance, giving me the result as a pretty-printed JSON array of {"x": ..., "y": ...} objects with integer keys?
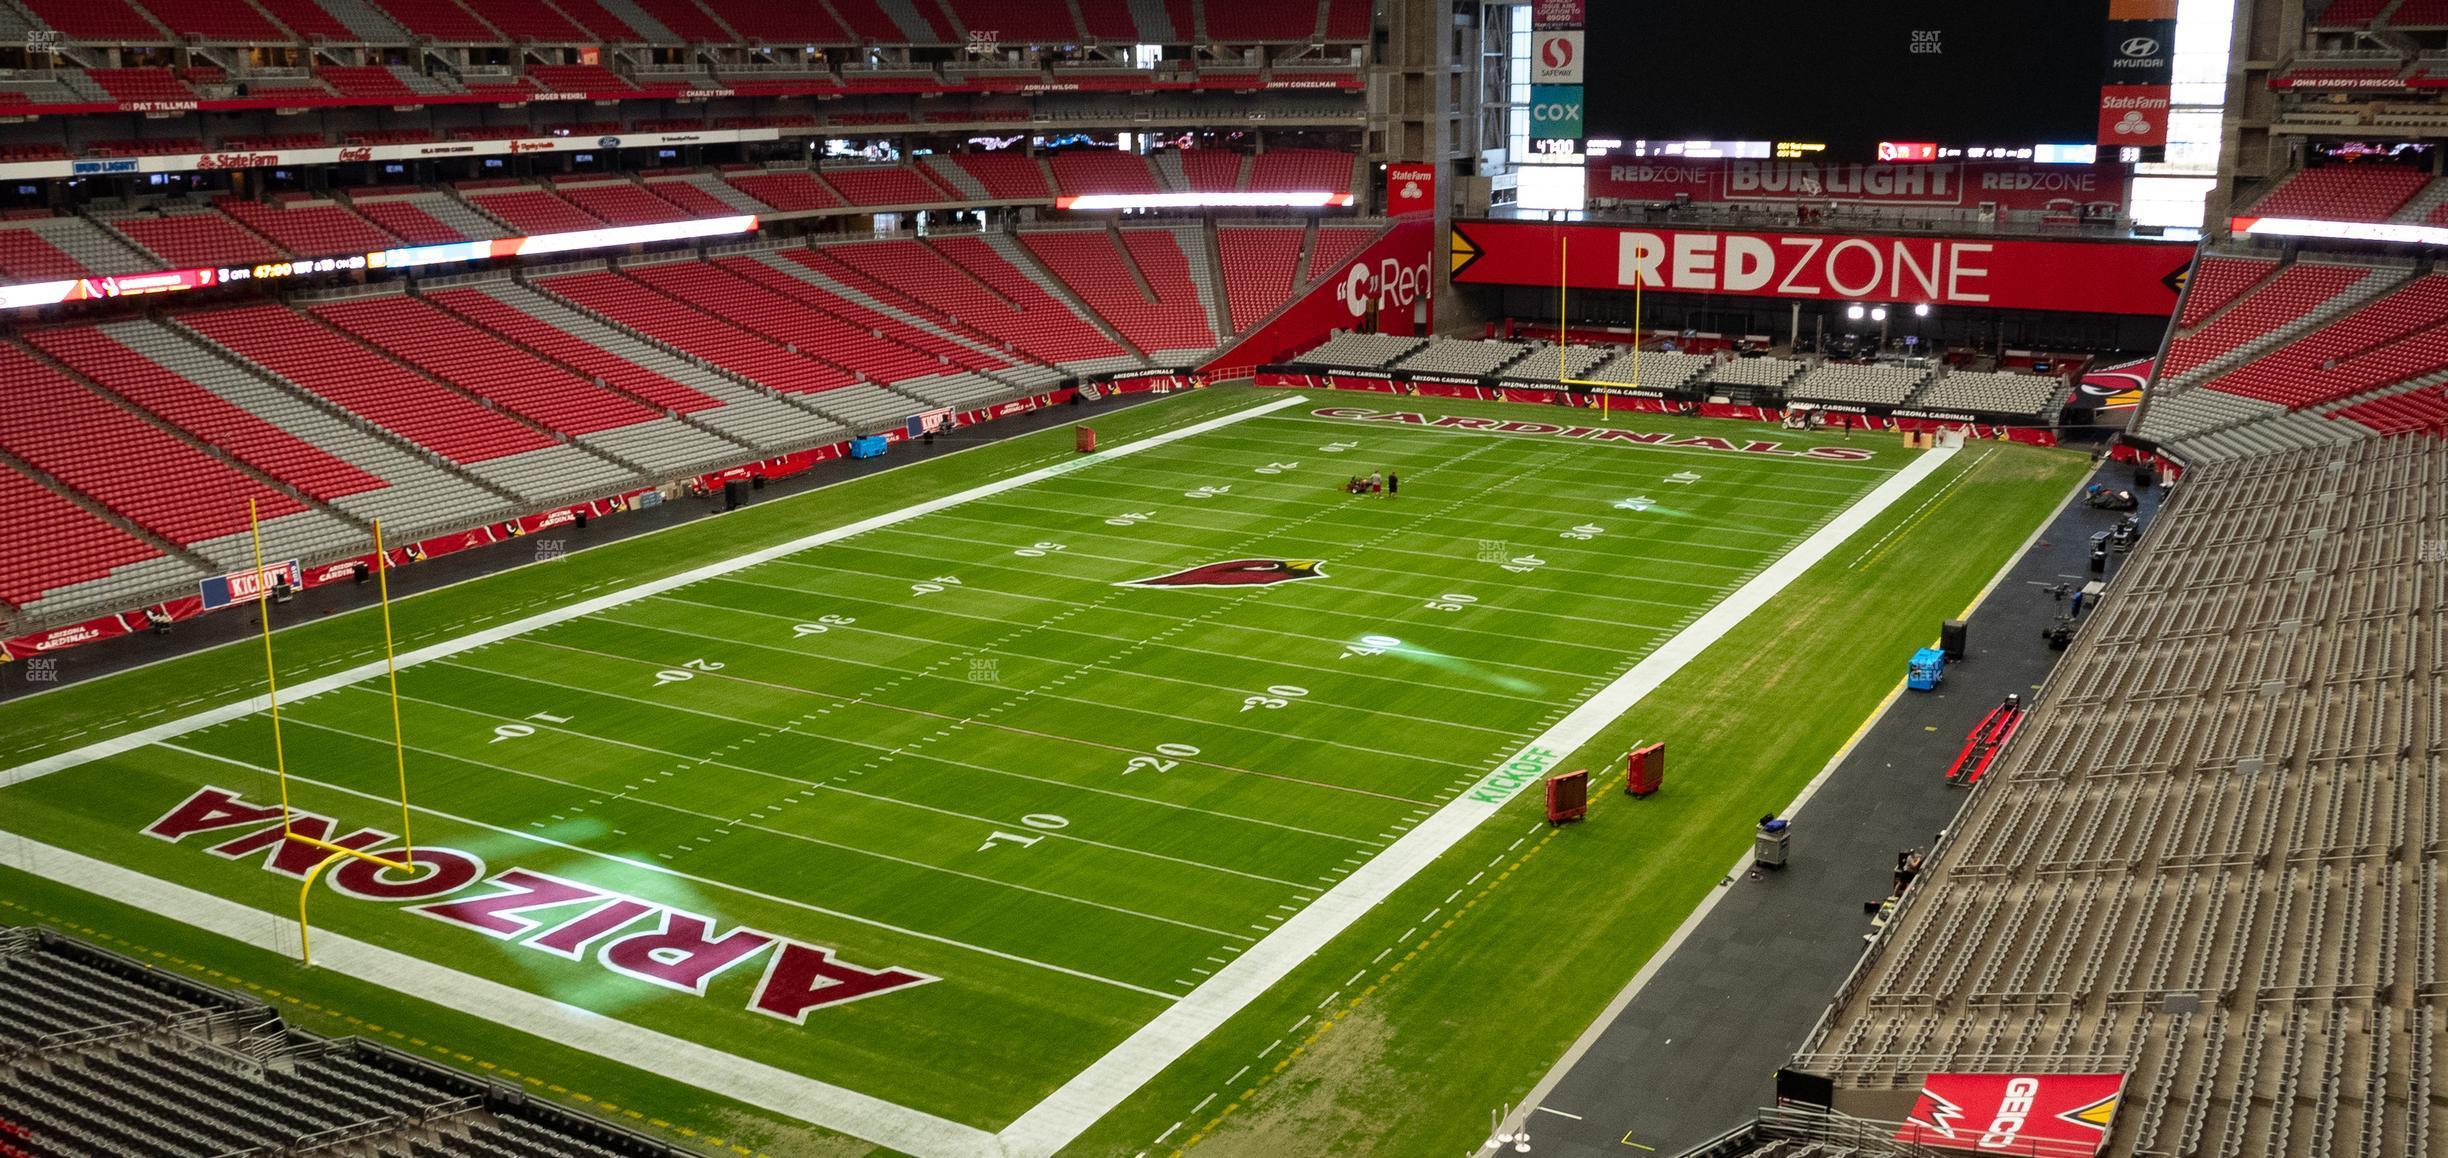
[
  {"x": 1313, "y": 200},
  {"x": 1921, "y": 310},
  {"x": 1879, "y": 314},
  {"x": 1853, "y": 313}
]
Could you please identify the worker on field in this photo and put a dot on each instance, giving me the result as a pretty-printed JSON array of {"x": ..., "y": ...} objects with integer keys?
[
  {"x": 1393, "y": 484},
  {"x": 1376, "y": 482}
]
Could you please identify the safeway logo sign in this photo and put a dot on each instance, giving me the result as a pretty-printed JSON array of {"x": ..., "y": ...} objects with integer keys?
[{"x": 1556, "y": 58}]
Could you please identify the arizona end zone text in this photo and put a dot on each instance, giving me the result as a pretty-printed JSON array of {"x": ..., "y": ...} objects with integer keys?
[{"x": 1592, "y": 433}]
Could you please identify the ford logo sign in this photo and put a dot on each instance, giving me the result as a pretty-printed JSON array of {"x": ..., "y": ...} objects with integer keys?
[
  {"x": 2140, "y": 46},
  {"x": 608, "y": 142}
]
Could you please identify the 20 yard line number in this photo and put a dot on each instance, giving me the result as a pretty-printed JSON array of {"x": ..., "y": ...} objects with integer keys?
[{"x": 1166, "y": 758}]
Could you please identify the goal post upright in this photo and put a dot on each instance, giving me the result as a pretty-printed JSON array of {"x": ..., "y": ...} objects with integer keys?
[
  {"x": 403, "y": 862},
  {"x": 1564, "y": 326}
]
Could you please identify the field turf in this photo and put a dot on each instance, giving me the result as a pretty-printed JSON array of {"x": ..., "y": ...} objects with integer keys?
[{"x": 973, "y": 746}]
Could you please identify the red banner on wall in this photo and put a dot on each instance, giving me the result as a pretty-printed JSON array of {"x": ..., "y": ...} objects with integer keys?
[
  {"x": 2133, "y": 114},
  {"x": 2038, "y": 1115},
  {"x": 1411, "y": 188},
  {"x": 1948, "y": 184},
  {"x": 2091, "y": 277}
]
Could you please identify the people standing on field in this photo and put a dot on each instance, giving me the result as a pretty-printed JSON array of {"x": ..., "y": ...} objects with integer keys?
[{"x": 1393, "y": 484}]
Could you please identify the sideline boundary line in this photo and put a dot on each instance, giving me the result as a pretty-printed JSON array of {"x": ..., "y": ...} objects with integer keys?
[
  {"x": 1657, "y": 961},
  {"x": 174, "y": 728},
  {"x": 1088, "y": 1096},
  {"x": 1081, "y": 1102}
]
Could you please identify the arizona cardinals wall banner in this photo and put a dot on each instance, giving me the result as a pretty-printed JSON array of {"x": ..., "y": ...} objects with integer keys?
[{"x": 1237, "y": 573}]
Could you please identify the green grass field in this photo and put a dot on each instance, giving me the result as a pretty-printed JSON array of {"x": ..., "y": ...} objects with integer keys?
[{"x": 1023, "y": 802}]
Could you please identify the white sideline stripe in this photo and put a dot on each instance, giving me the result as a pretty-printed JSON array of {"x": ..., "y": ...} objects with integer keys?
[
  {"x": 1700, "y": 913},
  {"x": 755, "y": 1083},
  {"x": 174, "y": 728},
  {"x": 1067, "y": 1113}
]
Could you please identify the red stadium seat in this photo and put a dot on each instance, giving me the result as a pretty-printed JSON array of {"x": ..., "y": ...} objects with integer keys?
[
  {"x": 48, "y": 542},
  {"x": 1259, "y": 263},
  {"x": 1089, "y": 262},
  {"x": 697, "y": 333},
  {"x": 529, "y": 210},
  {"x": 324, "y": 230},
  {"x": 107, "y": 21},
  {"x": 198, "y": 239},
  {"x": 357, "y": 379},
  {"x": 138, "y": 470},
  {"x": 444, "y": 20},
  {"x": 204, "y": 414},
  {"x": 234, "y": 21},
  {"x": 443, "y": 345}
]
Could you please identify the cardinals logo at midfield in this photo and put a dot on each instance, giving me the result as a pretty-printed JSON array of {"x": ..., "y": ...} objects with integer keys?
[{"x": 1238, "y": 573}]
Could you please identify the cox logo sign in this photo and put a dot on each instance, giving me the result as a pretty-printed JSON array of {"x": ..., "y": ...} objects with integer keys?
[
  {"x": 1392, "y": 285},
  {"x": 1555, "y": 112}
]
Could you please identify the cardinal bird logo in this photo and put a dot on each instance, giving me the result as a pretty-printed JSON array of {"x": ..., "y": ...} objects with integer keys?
[{"x": 1238, "y": 573}]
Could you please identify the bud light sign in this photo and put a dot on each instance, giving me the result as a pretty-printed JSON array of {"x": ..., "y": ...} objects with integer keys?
[{"x": 246, "y": 586}]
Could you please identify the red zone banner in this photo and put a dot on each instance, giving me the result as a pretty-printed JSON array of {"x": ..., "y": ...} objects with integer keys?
[
  {"x": 2030, "y": 1115},
  {"x": 2088, "y": 277},
  {"x": 1957, "y": 184},
  {"x": 625, "y": 935}
]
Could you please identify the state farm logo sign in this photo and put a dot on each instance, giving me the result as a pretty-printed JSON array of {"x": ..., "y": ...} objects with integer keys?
[
  {"x": 1391, "y": 285},
  {"x": 1555, "y": 58}
]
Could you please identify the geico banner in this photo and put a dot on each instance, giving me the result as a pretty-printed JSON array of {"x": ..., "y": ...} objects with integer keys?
[
  {"x": 2092, "y": 277},
  {"x": 1386, "y": 282},
  {"x": 2037, "y": 1115},
  {"x": 1956, "y": 184}
]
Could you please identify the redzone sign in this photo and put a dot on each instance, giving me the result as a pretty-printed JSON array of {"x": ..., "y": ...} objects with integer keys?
[
  {"x": 2048, "y": 1115},
  {"x": 625, "y": 935},
  {"x": 2125, "y": 277}
]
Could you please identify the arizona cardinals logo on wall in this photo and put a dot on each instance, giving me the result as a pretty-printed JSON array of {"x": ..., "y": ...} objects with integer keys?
[{"x": 1238, "y": 573}]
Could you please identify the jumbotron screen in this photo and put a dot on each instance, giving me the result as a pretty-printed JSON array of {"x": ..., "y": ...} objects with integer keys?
[{"x": 1847, "y": 75}]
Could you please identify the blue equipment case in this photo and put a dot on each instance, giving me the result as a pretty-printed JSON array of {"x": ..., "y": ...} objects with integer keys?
[{"x": 1928, "y": 668}]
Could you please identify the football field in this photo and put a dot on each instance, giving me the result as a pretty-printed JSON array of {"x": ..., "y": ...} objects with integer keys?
[{"x": 947, "y": 819}]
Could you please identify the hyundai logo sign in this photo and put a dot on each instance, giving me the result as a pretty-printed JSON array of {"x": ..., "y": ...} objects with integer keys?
[{"x": 2139, "y": 47}]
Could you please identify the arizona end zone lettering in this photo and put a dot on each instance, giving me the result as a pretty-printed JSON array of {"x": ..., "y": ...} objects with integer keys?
[
  {"x": 2103, "y": 277},
  {"x": 635, "y": 938},
  {"x": 1592, "y": 433}
]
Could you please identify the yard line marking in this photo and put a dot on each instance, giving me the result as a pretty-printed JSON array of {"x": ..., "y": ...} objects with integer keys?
[
  {"x": 829, "y": 787},
  {"x": 256, "y": 916},
  {"x": 249, "y": 706},
  {"x": 1077, "y": 1105},
  {"x": 1557, "y": 1113},
  {"x": 1169, "y": 1129},
  {"x": 801, "y": 837},
  {"x": 942, "y": 612},
  {"x": 840, "y": 700}
]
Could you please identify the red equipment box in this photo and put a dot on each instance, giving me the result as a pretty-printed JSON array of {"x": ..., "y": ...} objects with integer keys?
[
  {"x": 1086, "y": 437},
  {"x": 1644, "y": 770},
  {"x": 1567, "y": 797}
]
